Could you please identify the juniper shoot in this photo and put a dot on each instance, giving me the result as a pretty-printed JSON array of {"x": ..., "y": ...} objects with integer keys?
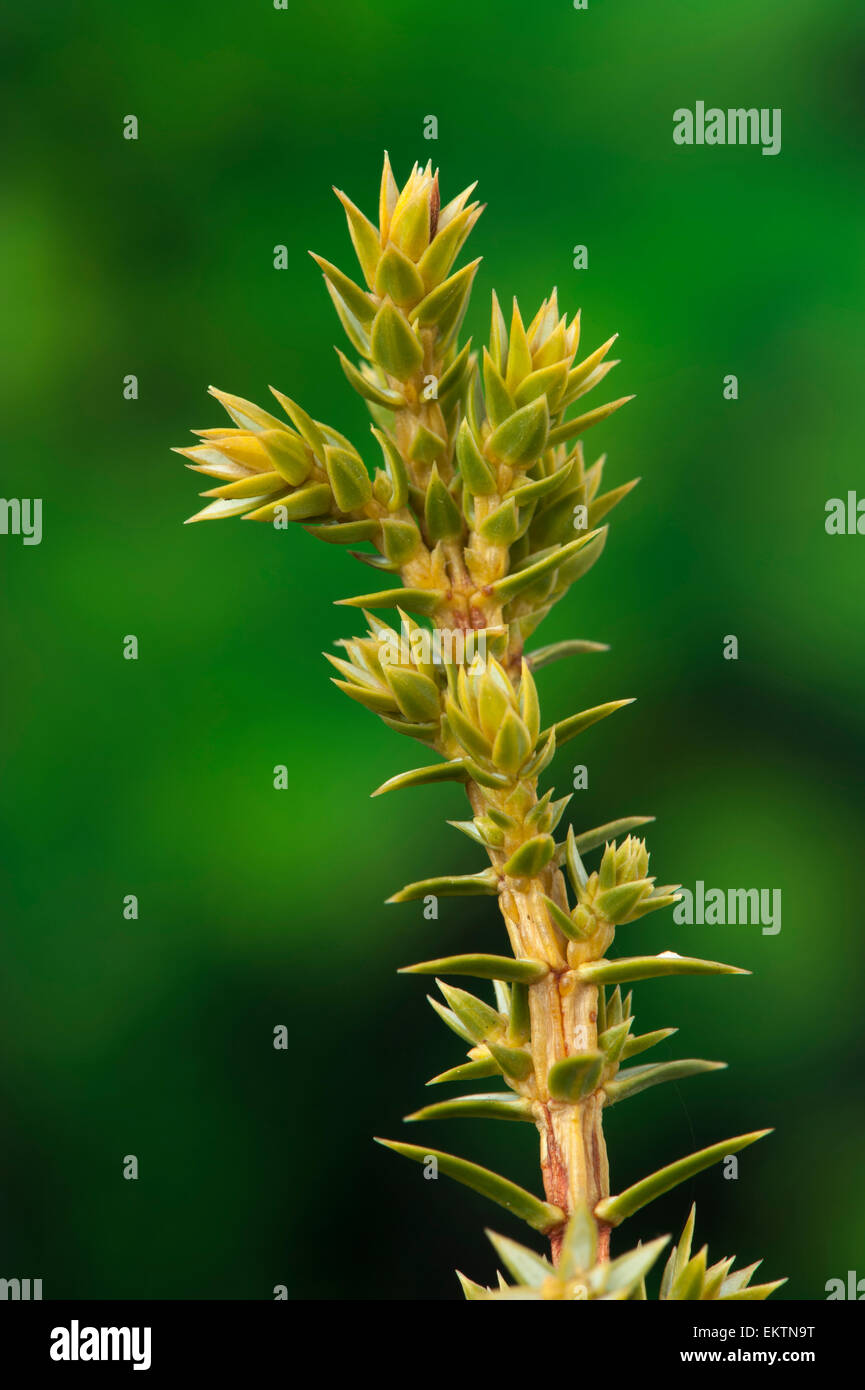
[{"x": 480, "y": 516}]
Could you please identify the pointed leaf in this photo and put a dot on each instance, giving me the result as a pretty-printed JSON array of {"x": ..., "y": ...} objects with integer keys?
[
  {"x": 471, "y": 1290},
  {"x": 520, "y": 439},
  {"x": 541, "y": 1216},
  {"x": 453, "y": 771},
  {"x": 370, "y": 390},
  {"x": 635, "y": 1045},
  {"x": 688, "y": 1285},
  {"x": 626, "y": 968},
  {"x": 635, "y": 1079},
  {"x": 575, "y": 1077},
  {"x": 414, "y": 600},
  {"x": 394, "y": 346},
  {"x": 345, "y": 532},
  {"x": 357, "y": 300},
  {"x": 629, "y": 1269},
  {"x": 450, "y": 886},
  {"x": 302, "y": 422},
  {"x": 482, "y": 968},
  {"x": 531, "y": 858},
  {"x": 563, "y": 920},
  {"x": 556, "y": 651},
  {"x": 512, "y": 745},
  {"x": 441, "y": 513},
  {"x": 580, "y": 1244},
  {"x": 571, "y": 428},
  {"x": 364, "y": 236},
  {"x": 397, "y": 277},
  {"x": 755, "y": 1293},
  {"x": 501, "y": 1105},
  {"x": 616, "y": 1209},
  {"x": 314, "y": 500},
  {"x": 516, "y": 582},
  {"x": 601, "y": 506},
  {"x": 513, "y": 1061},
  {"x": 617, "y": 903},
  {"x": 574, "y": 864},
  {"x": 450, "y": 1020},
  {"x": 416, "y": 695},
  {"x": 348, "y": 478},
  {"x": 469, "y": 1071},
  {"x": 475, "y": 1015},
  {"x": 567, "y": 729},
  {"x": 612, "y": 1042},
  {"x": 526, "y": 1267},
  {"x": 444, "y": 305}
]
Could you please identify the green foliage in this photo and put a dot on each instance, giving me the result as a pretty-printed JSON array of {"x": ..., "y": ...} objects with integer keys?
[{"x": 479, "y": 503}]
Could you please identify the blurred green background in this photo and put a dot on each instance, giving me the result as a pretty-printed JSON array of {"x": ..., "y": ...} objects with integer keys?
[{"x": 154, "y": 777}]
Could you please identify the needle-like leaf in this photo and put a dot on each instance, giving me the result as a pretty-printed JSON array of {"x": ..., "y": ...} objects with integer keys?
[
  {"x": 610, "y": 972},
  {"x": 614, "y": 1210},
  {"x": 482, "y": 967},
  {"x": 541, "y": 1216},
  {"x": 635, "y": 1079}
]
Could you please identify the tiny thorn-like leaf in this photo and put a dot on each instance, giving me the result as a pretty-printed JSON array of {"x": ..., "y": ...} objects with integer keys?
[
  {"x": 630, "y": 1269},
  {"x": 612, "y": 1041},
  {"x": 526, "y": 1267},
  {"x": 739, "y": 1278},
  {"x": 574, "y": 864},
  {"x": 424, "y": 601},
  {"x": 453, "y": 771},
  {"x": 394, "y": 345},
  {"x": 618, "y": 902},
  {"x": 478, "y": 1017},
  {"x": 519, "y": 440},
  {"x": 482, "y": 968},
  {"x": 541, "y": 1216},
  {"x": 575, "y": 1077},
  {"x": 345, "y": 532},
  {"x": 643, "y": 1041},
  {"x": 370, "y": 390},
  {"x": 513, "y": 1061},
  {"x": 580, "y": 1244},
  {"x": 357, "y": 300},
  {"x": 471, "y": 1290},
  {"x": 531, "y": 857},
  {"x": 478, "y": 1070},
  {"x": 557, "y": 651},
  {"x": 495, "y": 1106},
  {"x": 635, "y": 1079},
  {"x": 755, "y": 1293},
  {"x": 450, "y": 1020},
  {"x": 611, "y": 972},
  {"x": 580, "y": 423},
  {"x": 563, "y": 920},
  {"x": 616, "y": 1209},
  {"x": 483, "y": 884},
  {"x": 613, "y": 830},
  {"x": 567, "y": 729},
  {"x": 513, "y": 584}
]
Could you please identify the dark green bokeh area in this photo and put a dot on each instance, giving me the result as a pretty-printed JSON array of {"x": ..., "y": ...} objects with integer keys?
[{"x": 155, "y": 777}]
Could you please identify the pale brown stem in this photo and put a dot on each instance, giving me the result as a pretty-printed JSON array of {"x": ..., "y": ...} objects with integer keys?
[{"x": 564, "y": 1019}]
